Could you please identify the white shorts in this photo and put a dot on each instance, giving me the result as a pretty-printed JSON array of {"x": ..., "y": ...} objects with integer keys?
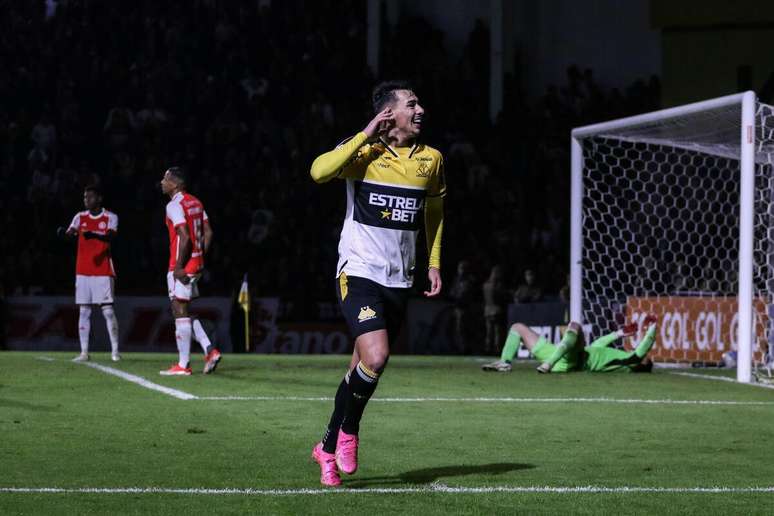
[
  {"x": 93, "y": 290},
  {"x": 182, "y": 292}
]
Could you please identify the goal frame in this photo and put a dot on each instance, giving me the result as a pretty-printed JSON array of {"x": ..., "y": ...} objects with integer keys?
[{"x": 748, "y": 102}]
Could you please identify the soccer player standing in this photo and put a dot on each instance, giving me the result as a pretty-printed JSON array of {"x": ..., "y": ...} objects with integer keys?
[
  {"x": 190, "y": 236},
  {"x": 393, "y": 182},
  {"x": 94, "y": 273}
]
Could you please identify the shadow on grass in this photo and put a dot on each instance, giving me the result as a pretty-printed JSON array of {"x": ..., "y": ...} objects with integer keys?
[{"x": 429, "y": 475}]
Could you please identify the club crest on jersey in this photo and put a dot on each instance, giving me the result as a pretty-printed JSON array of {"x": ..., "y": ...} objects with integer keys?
[
  {"x": 423, "y": 170},
  {"x": 391, "y": 207},
  {"x": 366, "y": 314},
  {"x": 102, "y": 225}
]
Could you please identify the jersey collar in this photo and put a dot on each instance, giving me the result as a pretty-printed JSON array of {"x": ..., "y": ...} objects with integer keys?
[
  {"x": 394, "y": 152},
  {"x": 178, "y": 196},
  {"x": 98, "y": 215}
]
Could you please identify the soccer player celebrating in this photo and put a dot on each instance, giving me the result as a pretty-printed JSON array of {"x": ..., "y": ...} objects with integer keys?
[
  {"x": 190, "y": 236},
  {"x": 569, "y": 356},
  {"x": 393, "y": 181},
  {"x": 94, "y": 273}
]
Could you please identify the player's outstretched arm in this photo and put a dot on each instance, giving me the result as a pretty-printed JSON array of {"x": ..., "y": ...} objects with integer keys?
[
  {"x": 644, "y": 346},
  {"x": 606, "y": 340},
  {"x": 327, "y": 166}
]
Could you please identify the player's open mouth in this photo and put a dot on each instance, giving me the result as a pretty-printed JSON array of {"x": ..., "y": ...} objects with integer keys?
[{"x": 417, "y": 121}]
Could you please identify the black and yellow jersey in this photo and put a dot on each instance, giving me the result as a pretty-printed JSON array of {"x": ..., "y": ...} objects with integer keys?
[{"x": 389, "y": 191}]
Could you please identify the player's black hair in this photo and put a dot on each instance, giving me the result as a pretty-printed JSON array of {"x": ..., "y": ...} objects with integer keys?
[
  {"x": 384, "y": 93},
  {"x": 178, "y": 173},
  {"x": 94, "y": 188}
]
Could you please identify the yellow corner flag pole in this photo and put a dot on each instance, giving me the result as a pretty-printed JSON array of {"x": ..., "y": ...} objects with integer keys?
[{"x": 244, "y": 302}]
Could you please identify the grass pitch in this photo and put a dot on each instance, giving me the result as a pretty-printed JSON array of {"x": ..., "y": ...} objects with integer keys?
[{"x": 485, "y": 443}]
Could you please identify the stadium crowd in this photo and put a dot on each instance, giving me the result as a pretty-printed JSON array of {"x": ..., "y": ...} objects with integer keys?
[{"x": 244, "y": 95}]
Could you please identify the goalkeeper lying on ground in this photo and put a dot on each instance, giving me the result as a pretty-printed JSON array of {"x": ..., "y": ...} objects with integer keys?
[{"x": 570, "y": 355}]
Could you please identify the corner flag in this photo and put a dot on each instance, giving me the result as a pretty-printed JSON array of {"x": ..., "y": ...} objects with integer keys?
[{"x": 244, "y": 302}]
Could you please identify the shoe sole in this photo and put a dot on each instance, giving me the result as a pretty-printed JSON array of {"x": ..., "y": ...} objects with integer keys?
[
  {"x": 208, "y": 369},
  {"x": 174, "y": 374}
]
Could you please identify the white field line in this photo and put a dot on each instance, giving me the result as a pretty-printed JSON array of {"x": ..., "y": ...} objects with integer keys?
[
  {"x": 494, "y": 400},
  {"x": 45, "y": 359},
  {"x": 138, "y": 380},
  {"x": 723, "y": 379},
  {"x": 432, "y": 488},
  {"x": 142, "y": 382}
]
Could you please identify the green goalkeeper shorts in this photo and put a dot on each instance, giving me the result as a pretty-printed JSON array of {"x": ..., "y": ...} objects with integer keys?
[{"x": 543, "y": 351}]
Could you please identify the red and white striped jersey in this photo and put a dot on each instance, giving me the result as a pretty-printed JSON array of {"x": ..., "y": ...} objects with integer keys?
[
  {"x": 93, "y": 254},
  {"x": 186, "y": 209}
]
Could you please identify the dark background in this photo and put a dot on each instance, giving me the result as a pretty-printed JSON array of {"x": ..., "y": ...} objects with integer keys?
[{"x": 245, "y": 94}]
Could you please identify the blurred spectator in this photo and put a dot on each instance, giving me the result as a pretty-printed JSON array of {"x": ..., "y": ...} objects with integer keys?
[
  {"x": 495, "y": 304},
  {"x": 119, "y": 127},
  {"x": 463, "y": 292},
  {"x": 564, "y": 292},
  {"x": 112, "y": 93},
  {"x": 44, "y": 134},
  {"x": 528, "y": 292}
]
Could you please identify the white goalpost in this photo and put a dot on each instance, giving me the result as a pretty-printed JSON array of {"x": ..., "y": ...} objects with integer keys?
[{"x": 672, "y": 213}]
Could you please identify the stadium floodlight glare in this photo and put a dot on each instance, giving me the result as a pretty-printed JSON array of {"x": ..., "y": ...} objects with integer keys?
[{"x": 673, "y": 212}]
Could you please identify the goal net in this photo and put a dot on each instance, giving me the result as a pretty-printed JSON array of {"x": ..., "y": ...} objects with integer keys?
[{"x": 673, "y": 214}]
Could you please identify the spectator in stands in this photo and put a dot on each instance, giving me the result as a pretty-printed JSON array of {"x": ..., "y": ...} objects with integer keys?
[
  {"x": 495, "y": 306},
  {"x": 564, "y": 292},
  {"x": 128, "y": 75},
  {"x": 528, "y": 292},
  {"x": 463, "y": 294},
  {"x": 44, "y": 134}
]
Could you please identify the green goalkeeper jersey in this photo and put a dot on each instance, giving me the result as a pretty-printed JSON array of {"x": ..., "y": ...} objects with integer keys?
[{"x": 597, "y": 357}]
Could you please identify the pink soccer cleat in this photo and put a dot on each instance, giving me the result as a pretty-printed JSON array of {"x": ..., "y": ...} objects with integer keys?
[
  {"x": 211, "y": 361},
  {"x": 346, "y": 452},
  {"x": 176, "y": 370},
  {"x": 329, "y": 473}
]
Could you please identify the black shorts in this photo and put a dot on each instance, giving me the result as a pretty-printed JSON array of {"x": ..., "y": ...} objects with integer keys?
[{"x": 368, "y": 306}]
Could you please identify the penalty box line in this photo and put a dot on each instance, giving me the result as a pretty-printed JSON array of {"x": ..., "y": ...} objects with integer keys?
[
  {"x": 432, "y": 488},
  {"x": 182, "y": 395},
  {"x": 142, "y": 382}
]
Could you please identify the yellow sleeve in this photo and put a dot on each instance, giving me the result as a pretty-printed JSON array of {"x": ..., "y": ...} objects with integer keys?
[
  {"x": 329, "y": 165},
  {"x": 437, "y": 186},
  {"x": 434, "y": 229}
]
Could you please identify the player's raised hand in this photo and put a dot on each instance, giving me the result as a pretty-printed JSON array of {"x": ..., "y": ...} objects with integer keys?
[
  {"x": 627, "y": 330},
  {"x": 434, "y": 275},
  {"x": 381, "y": 123}
]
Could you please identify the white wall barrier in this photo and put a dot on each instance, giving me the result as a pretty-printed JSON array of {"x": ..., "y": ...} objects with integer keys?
[{"x": 145, "y": 323}]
